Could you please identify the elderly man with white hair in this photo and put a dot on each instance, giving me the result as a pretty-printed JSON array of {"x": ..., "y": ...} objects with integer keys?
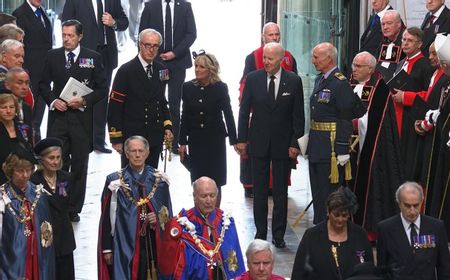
[{"x": 260, "y": 262}]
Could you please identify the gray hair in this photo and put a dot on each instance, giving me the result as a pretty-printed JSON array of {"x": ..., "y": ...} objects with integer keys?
[
  {"x": 268, "y": 25},
  {"x": 150, "y": 31},
  {"x": 11, "y": 72},
  {"x": 7, "y": 45},
  {"x": 371, "y": 60},
  {"x": 136, "y": 137},
  {"x": 47, "y": 151},
  {"x": 259, "y": 245},
  {"x": 396, "y": 14},
  {"x": 408, "y": 185},
  {"x": 203, "y": 180},
  {"x": 277, "y": 46},
  {"x": 10, "y": 31}
]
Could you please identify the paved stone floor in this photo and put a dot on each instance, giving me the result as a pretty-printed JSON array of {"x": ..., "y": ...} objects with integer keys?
[{"x": 230, "y": 30}]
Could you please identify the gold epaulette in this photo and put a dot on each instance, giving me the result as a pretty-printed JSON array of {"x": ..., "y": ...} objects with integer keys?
[
  {"x": 340, "y": 76},
  {"x": 113, "y": 133}
]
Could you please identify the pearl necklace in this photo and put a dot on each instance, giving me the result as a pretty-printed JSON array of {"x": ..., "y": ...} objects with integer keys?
[
  {"x": 51, "y": 181},
  {"x": 190, "y": 227}
]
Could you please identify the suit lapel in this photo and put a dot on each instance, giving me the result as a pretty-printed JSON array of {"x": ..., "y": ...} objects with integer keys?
[
  {"x": 176, "y": 13},
  {"x": 281, "y": 87}
]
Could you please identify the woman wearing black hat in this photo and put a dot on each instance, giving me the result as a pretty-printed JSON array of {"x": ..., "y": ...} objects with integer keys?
[
  {"x": 331, "y": 249},
  {"x": 26, "y": 228},
  {"x": 57, "y": 183},
  {"x": 12, "y": 133}
]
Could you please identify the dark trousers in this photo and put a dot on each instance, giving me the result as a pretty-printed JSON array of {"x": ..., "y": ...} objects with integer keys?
[
  {"x": 101, "y": 107},
  {"x": 64, "y": 267},
  {"x": 38, "y": 114},
  {"x": 320, "y": 188},
  {"x": 152, "y": 160},
  {"x": 75, "y": 154},
  {"x": 175, "y": 84},
  {"x": 260, "y": 174}
]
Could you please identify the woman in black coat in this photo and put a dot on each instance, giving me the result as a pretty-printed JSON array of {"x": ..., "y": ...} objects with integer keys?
[
  {"x": 331, "y": 249},
  {"x": 57, "y": 184},
  {"x": 202, "y": 129},
  {"x": 13, "y": 133}
]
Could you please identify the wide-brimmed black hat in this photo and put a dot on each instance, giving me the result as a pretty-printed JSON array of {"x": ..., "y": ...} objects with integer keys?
[{"x": 46, "y": 143}]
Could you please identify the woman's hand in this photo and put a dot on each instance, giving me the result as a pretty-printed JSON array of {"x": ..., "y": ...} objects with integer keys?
[{"x": 182, "y": 152}]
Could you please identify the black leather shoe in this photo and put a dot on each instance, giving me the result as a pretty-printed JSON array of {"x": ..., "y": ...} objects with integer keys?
[
  {"x": 279, "y": 243},
  {"x": 261, "y": 236},
  {"x": 103, "y": 150},
  {"x": 74, "y": 217}
]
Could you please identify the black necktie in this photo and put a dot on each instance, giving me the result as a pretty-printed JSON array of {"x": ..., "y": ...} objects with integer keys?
[
  {"x": 149, "y": 71},
  {"x": 272, "y": 87},
  {"x": 412, "y": 233},
  {"x": 168, "y": 28},
  {"x": 39, "y": 14},
  {"x": 70, "y": 60},
  {"x": 101, "y": 27}
]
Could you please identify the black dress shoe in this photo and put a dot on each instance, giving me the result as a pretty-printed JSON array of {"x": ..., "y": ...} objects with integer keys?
[
  {"x": 261, "y": 236},
  {"x": 103, "y": 150},
  {"x": 279, "y": 243},
  {"x": 248, "y": 192},
  {"x": 74, "y": 217}
]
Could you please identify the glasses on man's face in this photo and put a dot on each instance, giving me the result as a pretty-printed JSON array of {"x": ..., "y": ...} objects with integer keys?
[{"x": 150, "y": 46}]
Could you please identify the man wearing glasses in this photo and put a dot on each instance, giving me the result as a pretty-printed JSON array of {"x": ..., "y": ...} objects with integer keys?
[
  {"x": 378, "y": 162},
  {"x": 137, "y": 104}
]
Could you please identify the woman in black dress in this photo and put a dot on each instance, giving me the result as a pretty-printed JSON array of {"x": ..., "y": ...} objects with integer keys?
[
  {"x": 57, "y": 184},
  {"x": 202, "y": 129},
  {"x": 331, "y": 249},
  {"x": 12, "y": 132}
]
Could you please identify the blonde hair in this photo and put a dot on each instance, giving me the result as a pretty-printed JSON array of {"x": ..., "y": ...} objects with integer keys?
[{"x": 210, "y": 62}]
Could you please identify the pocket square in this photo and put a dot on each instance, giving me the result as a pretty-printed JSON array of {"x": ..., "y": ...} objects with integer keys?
[{"x": 286, "y": 94}]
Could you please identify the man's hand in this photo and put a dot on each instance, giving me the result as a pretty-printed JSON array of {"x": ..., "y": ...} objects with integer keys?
[
  {"x": 182, "y": 152},
  {"x": 76, "y": 102},
  {"x": 168, "y": 136},
  {"x": 118, "y": 147},
  {"x": 107, "y": 19},
  {"x": 343, "y": 159},
  {"x": 167, "y": 55},
  {"x": 398, "y": 96},
  {"x": 60, "y": 105},
  {"x": 241, "y": 148},
  {"x": 108, "y": 257},
  {"x": 293, "y": 152}
]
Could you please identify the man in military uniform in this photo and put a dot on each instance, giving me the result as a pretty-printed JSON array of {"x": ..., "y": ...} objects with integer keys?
[
  {"x": 331, "y": 104},
  {"x": 137, "y": 105},
  {"x": 135, "y": 207},
  {"x": 379, "y": 159},
  {"x": 202, "y": 242}
]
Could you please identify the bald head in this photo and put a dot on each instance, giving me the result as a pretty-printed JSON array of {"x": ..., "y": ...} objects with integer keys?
[
  {"x": 363, "y": 66},
  {"x": 271, "y": 33},
  {"x": 324, "y": 57}
]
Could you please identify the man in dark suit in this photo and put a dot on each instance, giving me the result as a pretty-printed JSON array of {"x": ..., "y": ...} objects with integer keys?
[
  {"x": 138, "y": 105},
  {"x": 276, "y": 98},
  {"x": 179, "y": 33},
  {"x": 99, "y": 23},
  {"x": 331, "y": 104},
  {"x": 31, "y": 17},
  {"x": 71, "y": 120},
  {"x": 437, "y": 20},
  {"x": 371, "y": 38},
  {"x": 410, "y": 245}
]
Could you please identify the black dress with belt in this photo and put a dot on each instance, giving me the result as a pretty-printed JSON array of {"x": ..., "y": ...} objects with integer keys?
[{"x": 203, "y": 129}]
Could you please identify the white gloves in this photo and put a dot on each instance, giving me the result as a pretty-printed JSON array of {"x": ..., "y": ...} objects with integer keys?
[
  {"x": 342, "y": 159},
  {"x": 432, "y": 115}
]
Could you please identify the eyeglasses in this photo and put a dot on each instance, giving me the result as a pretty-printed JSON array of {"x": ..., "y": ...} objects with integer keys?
[
  {"x": 202, "y": 52},
  {"x": 150, "y": 46}
]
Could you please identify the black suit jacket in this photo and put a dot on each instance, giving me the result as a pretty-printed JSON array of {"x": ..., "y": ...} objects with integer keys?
[
  {"x": 56, "y": 72},
  {"x": 395, "y": 253},
  {"x": 137, "y": 105},
  {"x": 371, "y": 38},
  {"x": 275, "y": 124},
  {"x": 184, "y": 30},
  {"x": 37, "y": 41},
  {"x": 83, "y": 11},
  {"x": 440, "y": 25}
]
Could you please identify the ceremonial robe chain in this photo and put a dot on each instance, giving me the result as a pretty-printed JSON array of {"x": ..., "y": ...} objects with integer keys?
[{"x": 142, "y": 200}]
